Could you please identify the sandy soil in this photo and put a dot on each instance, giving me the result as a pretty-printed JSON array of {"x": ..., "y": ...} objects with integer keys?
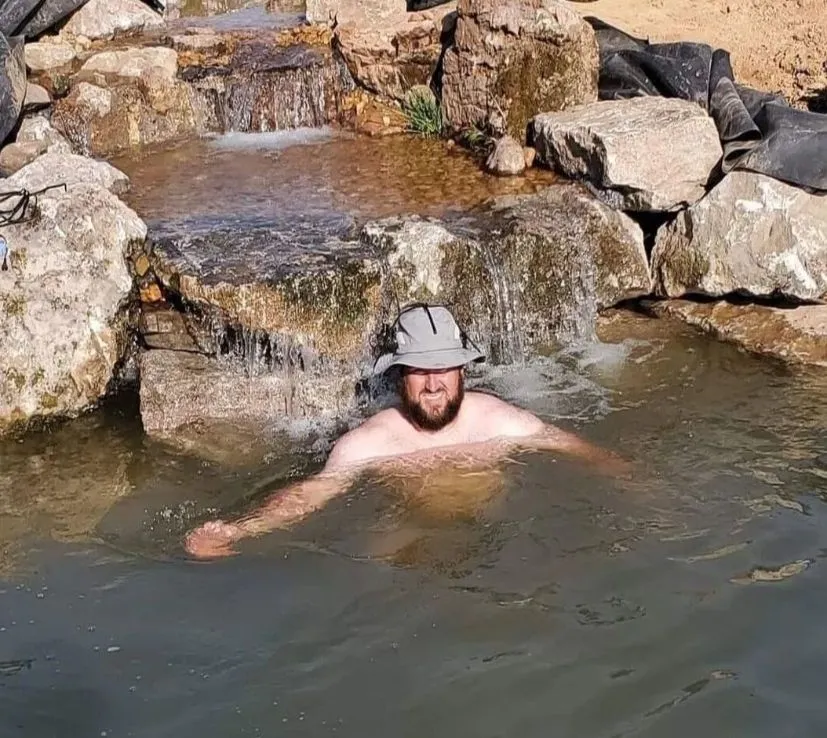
[{"x": 776, "y": 45}]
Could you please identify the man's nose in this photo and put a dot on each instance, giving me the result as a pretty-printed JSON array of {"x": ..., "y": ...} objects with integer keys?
[{"x": 432, "y": 382}]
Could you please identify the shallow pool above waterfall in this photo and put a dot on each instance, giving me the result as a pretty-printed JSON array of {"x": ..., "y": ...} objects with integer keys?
[
  {"x": 236, "y": 14},
  {"x": 308, "y": 177},
  {"x": 543, "y": 601}
]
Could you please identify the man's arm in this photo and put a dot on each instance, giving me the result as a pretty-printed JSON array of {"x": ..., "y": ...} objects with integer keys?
[
  {"x": 216, "y": 538},
  {"x": 528, "y": 431}
]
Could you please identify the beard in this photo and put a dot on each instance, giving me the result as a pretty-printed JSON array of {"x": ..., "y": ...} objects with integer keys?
[{"x": 432, "y": 420}]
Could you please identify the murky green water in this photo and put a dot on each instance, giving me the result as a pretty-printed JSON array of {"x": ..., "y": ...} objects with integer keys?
[{"x": 562, "y": 604}]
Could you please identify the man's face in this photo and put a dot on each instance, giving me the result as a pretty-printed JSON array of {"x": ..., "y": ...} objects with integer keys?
[{"x": 432, "y": 397}]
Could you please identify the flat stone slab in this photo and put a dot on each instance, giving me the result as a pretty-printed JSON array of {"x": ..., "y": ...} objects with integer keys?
[
  {"x": 795, "y": 335},
  {"x": 645, "y": 154}
]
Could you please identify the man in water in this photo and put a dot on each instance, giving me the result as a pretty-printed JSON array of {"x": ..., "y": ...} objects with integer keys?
[{"x": 435, "y": 418}]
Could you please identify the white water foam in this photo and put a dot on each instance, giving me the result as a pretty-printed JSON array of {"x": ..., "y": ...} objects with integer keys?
[{"x": 273, "y": 140}]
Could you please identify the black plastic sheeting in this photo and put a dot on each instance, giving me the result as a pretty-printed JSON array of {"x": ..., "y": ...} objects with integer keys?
[
  {"x": 759, "y": 131},
  {"x": 12, "y": 83},
  {"x": 30, "y": 18}
]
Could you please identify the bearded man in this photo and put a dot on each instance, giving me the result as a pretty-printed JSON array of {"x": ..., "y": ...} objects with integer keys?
[{"x": 435, "y": 418}]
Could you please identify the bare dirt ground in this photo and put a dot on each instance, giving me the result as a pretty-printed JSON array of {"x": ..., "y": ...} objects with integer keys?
[{"x": 776, "y": 45}]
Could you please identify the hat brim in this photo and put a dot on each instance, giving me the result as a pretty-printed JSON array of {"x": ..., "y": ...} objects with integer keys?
[{"x": 443, "y": 359}]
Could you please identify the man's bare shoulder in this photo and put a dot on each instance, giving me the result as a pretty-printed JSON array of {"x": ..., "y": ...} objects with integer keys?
[
  {"x": 372, "y": 439},
  {"x": 500, "y": 418}
]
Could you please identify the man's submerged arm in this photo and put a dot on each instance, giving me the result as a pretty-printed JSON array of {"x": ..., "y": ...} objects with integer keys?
[
  {"x": 528, "y": 431},
  {"x": 286, "y": 506}
]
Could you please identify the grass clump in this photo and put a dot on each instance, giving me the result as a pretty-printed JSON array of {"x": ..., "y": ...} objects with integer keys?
[{"x": 423, "y": 111}]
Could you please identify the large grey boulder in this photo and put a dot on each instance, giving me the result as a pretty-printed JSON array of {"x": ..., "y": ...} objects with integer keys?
[
  {"x": 104, "y": 19},
  {"x": 645, "y": 154},
  {"x": 751, "y": 234},
  {"x": 512, "y": 60},
  {"x": 62, "y": 327},
  {"x": 49, "y": 13}
]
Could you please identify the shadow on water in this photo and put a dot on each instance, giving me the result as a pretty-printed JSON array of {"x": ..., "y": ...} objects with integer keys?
[{"x": 459, "y": 602}]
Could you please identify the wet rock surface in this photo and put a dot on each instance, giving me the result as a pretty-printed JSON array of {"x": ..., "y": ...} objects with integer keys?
[
  {"x": 61, "y": 299},
  {"x": 751, "y": 235},
  {"x": 794, "y": 335},
  {"x": 214, "y": 82},
  {"x": 511, "y": 61},
  {"x": 180, "y": 389},
  {"x": 641, "y": 154},
  {"x": 306, "y": 302},
  {"x": 507, "y": 158}
]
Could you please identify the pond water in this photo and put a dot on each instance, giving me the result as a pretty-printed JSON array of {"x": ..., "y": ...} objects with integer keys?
[
  {"x": 308, "y": 176},
  {"x": 553, "y": 602}
]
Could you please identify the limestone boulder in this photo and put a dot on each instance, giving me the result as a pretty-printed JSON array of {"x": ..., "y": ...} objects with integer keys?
[
  {"x": 751, "y": 235},
  {"x": 46, "y": 56},
  {"x": 15, "y": 156},
  {"x": 529, "y": 271},
  {"x": 134, "y": 62},
  {"x": 507, "y": 157},
  {"x": 348, "y": 11},
  {"x": 37, "y": 128},
  {"x": 37, "y": 98},
  {"x": 793, "y": 335},
  {"x": 62, "y": 299},
  {"x": 105, "y": 19},
  {"x": 644, "y": 154},
  {"x": 510, "y": 61},
  {"x": 390, "y": 55},
  {"x": 54, "y": 168}
]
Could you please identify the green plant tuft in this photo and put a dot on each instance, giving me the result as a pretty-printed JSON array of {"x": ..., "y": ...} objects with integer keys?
[{"x": 423, "y": 112}]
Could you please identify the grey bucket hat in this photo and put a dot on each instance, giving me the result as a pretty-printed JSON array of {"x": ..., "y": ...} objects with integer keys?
[{"x": 428, "y": 337}]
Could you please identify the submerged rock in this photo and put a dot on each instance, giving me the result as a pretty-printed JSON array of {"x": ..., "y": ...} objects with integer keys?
[
  {"x": 61, "y": 300},
  {"x": 104, "y": 19},
  {"x": 512, "y": 60},
  {"x": 751, "y": 235},
  {"x": 794, "y": 335},
  {"x": 507, "y": 157},
  {"x": 647, "y": 153}
]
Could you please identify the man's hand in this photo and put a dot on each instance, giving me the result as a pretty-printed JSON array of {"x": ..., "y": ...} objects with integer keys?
[{"x": 213, "y": 540}]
